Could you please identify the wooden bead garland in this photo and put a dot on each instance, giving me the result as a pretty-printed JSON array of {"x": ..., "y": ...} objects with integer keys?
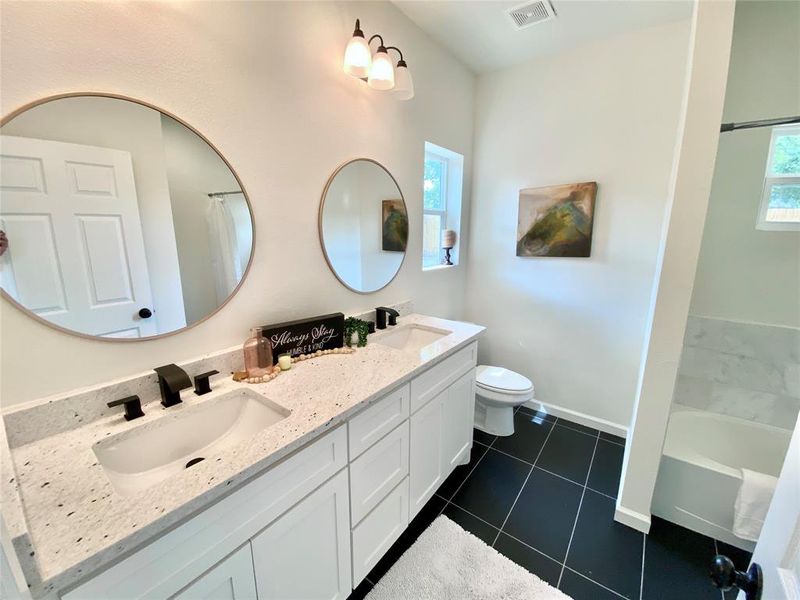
[{"x": 276, "y": 370}]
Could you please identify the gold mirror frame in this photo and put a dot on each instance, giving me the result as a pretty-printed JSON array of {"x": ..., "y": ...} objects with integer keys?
[
  {"x": 235, "y": 291},
  {"x": 322, "y": 237}
]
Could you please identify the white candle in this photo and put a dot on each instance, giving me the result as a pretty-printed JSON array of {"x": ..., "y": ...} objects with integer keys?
[{"x": 285, "y": 362}]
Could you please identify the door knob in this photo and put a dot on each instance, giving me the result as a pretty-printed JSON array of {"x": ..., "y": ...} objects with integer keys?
[
  {"x": 725, "y": 576},
  {"x": 145, "y": 313}
]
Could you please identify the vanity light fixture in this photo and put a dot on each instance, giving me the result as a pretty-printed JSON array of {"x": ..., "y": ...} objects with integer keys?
[
  {"x": 357, "y": 55},
  {"x": 377, "y": 69}
]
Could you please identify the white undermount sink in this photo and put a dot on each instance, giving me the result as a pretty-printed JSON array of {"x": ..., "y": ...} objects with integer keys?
[
  {"x": 138, "y": 459},
  {"x": 411, "y": 337}
]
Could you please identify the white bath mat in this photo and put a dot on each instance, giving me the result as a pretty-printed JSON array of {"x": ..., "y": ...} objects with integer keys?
[{"x": 447, "y": 563}]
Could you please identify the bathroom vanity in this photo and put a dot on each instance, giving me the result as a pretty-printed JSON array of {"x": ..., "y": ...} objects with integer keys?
[{"x": 350, "y": 448}]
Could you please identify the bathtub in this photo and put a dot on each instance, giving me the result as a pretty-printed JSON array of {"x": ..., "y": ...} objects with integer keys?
[{"x": 700, "y": 472}]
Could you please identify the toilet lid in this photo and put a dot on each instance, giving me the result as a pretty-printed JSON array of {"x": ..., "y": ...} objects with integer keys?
[{"x": 499, "y": 378}]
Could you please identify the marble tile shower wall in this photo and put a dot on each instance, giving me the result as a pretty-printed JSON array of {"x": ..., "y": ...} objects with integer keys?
[{"x": 745, "y": 370}]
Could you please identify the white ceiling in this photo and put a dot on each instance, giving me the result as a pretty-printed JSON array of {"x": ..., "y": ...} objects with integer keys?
[{"x": 481, "y": 34}]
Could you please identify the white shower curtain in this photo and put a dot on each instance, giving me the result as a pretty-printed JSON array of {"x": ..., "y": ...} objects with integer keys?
[{"x": 224, "y": 246}]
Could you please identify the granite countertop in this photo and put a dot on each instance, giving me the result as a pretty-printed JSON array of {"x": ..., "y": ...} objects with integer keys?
[{"x": 68, "y": 520}]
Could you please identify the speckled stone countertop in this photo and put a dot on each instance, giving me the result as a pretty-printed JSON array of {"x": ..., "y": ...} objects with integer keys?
[{"x": 65, "y": 519}]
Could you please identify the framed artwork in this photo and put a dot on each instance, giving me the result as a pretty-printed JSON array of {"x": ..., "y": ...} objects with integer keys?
[
  {"x": 556, "y": 220},
  {"x": 394, "y": 226}
]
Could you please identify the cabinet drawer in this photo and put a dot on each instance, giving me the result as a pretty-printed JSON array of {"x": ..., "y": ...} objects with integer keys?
[
  {"x": 428, "y": 385},
  {"x": 376, "y": 472},
  {"x": 370, "y": 425},
  {"x": 171, "y": 562},
  {"x": 379, "y": 530}
]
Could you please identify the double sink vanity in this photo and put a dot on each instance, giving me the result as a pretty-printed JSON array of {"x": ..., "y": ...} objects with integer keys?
[
  {"x": 124, "y": 224},
  {"x": 304, "y": 483}
]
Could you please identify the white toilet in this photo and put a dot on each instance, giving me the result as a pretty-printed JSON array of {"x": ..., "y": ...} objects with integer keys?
[{"x": 500, "y": 391}]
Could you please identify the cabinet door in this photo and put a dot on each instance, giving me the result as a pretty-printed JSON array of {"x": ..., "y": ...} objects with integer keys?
[
  {"x": 426, "y": 452},
  {"x": 231, "y": 579},
  {"x": 459, "y": 413},
  {"x": 305, "y": 554}
]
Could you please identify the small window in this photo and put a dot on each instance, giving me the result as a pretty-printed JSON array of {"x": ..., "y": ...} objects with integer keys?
[
  {"x": 441, "y": 202},
  {"x": 780, "y": 202}
]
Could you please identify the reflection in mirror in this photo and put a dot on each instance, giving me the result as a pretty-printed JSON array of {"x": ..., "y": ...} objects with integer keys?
[
  {"x": 363, "y": 225},
  {"x": 121, "y": 221}
]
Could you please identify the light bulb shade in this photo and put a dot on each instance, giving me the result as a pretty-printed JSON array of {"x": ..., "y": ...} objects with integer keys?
[
  {"x": 357, "y": 57},
  {"x": 381, "y": 73},
  {"x": 403, "y": 84},
  {"x": 449, "y": 238}
]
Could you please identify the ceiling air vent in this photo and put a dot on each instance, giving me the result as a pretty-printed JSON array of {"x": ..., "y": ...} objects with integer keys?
[{"x": 532, "y": 13}]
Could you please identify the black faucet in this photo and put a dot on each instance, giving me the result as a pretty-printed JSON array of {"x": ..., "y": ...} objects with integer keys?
[
  {"x": 132, "y": 404},
  {"x": 380, "y": 317},
  {"x": 171, "y": 380}
]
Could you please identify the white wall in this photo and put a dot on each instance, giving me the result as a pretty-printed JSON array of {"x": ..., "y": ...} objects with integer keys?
[
  {"x": 264, "y": 82},
  {"x": 745, "y": 274},
  {"x": 606, "y": 112},
  {"x": 110, "y": 123},
  {"x": 193, "y": 171}
]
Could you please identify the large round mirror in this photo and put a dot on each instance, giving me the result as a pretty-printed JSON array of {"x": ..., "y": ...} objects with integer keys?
[
  {"x": 118, "y": 220},
  {"x": 363, "y": 225}
]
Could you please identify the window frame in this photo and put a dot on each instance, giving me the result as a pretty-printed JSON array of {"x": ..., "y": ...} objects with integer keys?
[
  {"x": 443, "y": 186},
  {"x": 771, "y": 179}
]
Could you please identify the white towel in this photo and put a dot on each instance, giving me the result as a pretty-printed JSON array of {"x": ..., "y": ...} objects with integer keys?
[{"x": 752, "y": 504}]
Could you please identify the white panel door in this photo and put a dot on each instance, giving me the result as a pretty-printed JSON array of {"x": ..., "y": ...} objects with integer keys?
[
  {"x": 426, "y": 452},
  {"x": 459, "y": 410},
  {"x": 305, "y": 554},
  {"x": 778, "y": 547},
  {"x": 231, "y": 579},
  {"x": 76, "y": 254}
]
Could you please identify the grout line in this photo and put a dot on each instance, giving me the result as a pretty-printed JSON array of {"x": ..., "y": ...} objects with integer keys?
[
  {"x": 522, "y": 460},
  {"x": 561, "y": 477},
  {"x": 558, "y": 562},
  {"x": 601, "y": 493},
  {"x": 641, "y": 578},
  {"x": 594, "y": 435},
  {"x": 461, "y": 508},
  {"x": 578, "y": 514},
  {"x": 608, "y": 589},
  {"x": 519, "y": 493},
  {"x": 524, "y": 483}
]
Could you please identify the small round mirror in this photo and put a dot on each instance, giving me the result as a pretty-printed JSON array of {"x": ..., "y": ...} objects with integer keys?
[
  {"x": 363, "y": 225},
  {"x": 117, "y": 220}
]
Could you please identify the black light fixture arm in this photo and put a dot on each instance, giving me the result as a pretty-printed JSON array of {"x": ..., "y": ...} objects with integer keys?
[
  {"x": 401, "y": 62},
  {"x": 382, "y": 47}
]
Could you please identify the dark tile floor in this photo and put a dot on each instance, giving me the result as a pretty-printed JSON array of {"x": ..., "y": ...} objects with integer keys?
[{"x": 545, "y": 497}]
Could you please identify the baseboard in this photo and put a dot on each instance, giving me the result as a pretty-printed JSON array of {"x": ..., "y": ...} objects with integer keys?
[
  {"x": 631, "y": 518},
  {"x": 579, "y": 417}
]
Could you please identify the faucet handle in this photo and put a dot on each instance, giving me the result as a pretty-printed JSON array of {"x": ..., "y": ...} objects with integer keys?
[
  {"x": 202, "y": 385},
  {"x": 133, "y": 407}
]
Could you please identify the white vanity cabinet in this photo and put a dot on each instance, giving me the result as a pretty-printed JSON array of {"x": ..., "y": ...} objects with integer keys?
[
  {"x": 441, "y": 427},
  {"x": 313, "y": 525},
  {"x": 306, "y": 553}
]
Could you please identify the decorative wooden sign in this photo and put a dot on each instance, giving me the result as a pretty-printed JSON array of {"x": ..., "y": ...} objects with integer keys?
[{"x": 305, "y": 336}]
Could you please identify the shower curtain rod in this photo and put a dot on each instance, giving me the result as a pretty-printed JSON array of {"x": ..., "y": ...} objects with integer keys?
[
  {"x": 215, "y": 194},
  {"x": 762, "y": 123}
]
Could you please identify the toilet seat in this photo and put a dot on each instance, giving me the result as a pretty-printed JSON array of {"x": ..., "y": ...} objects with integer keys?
[{"x": 505, "y": 381}]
